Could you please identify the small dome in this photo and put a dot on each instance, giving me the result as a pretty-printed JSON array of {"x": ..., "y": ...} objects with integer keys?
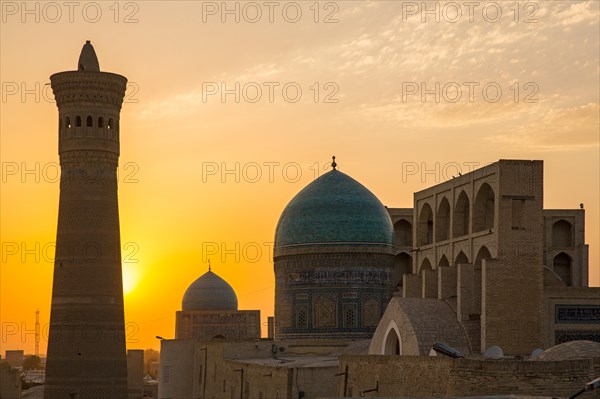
[
  {"x": 209, "y": 292},
  {"x": 334, "y": 209},
  {"x": 88, "y": 61},
  {"x": 494, "y": 352},
  {"x": 571, "y": 350},
  {"x": 536, "y": 353}
]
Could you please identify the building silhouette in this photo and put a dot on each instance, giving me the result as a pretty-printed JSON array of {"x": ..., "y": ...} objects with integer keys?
[{"x": 86, "y": 345}]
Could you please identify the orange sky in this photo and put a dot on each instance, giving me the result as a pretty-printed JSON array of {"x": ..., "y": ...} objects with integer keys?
[{"x": 355, "y": 68}]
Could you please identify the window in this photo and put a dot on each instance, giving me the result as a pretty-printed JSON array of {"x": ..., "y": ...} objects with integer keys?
[
  {"x": 302, "y": 319},
  {"x": 68, "y": 122},
  {"x": 349, "y": 317},
  {"x": 100, "y": 122},
  {"x": 78, "y": 121},
  {"x": 89, "y": 122}
]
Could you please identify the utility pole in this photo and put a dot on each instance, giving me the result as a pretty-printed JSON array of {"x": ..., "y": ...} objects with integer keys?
[{"x": 37, "y": 333}]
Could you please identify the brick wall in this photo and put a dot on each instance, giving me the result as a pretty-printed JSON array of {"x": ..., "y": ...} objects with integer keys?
[{"x": 435, "y": 376}]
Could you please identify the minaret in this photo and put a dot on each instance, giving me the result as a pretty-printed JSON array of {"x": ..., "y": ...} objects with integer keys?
[{"x": 86, "y": 346}]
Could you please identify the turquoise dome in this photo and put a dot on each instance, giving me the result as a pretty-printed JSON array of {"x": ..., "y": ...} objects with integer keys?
[
  {"x": 334, "y": 209},
  {"x": 209, "y": 292}
]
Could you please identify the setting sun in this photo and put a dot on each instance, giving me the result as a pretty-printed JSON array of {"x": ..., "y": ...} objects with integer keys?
[{"x": 130, "y": 279}]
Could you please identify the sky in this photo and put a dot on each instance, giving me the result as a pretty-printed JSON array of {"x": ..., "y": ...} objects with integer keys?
[{"x": 233, "y": 107}]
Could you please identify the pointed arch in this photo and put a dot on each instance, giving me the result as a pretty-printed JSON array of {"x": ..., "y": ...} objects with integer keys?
[
  {"x": 483, "y": 253},
  {"x": 324, "y": 312},
  {"x": 442, "y": 221},
  {"x": 425, "y": 227},
  {"x": 89, "y": 121},
  {"x": 562, "y": 234},
  {"x": 403, "y": 231},
  {"x": 561, "y": 265},
  {"x": 402, "y": 266},
  {"x": 425, "y": 265},
  {"x": 284, "y": 313},
  {"x": 461, "y": 258},
  {"x": 443, "y": 262},
  {"x": 484, "y": 208},
  {"x": 392, "y": 345},
  {"x": 371, "y": 313},
  {"x": 460, "y": 226}
]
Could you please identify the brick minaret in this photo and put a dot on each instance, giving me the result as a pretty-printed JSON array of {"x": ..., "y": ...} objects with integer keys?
[{"x": 86, "y": 347}]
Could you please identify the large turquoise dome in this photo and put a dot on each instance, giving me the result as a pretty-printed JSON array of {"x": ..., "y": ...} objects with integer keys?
[{"x": 334, "y": 209}]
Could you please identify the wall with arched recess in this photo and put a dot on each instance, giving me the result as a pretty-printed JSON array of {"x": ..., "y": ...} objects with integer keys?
[{"x": 419, "y": 322}]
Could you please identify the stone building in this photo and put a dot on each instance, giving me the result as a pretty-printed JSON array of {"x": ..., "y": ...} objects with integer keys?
[
  {"x": 560, "y": 371},
  {"x": 86, "y": 343},
  {"x": 15, "y": 358},
  {"x": 482, "y": 245},
  {"x": 135, "y": 373},
  {"x": 259, "y": 368},
  {"x": 402, "y": 220},
  {"x": 10, "y": 381},
  {"x": 565, "y": 250},
  {"x": 477, "y": 263},
  {"x": 334, "y": 261},
  {"x": 210, "y": 310}
]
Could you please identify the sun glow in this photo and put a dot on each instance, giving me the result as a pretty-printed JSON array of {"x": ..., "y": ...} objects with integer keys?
[{"x": 130, "y": 279}]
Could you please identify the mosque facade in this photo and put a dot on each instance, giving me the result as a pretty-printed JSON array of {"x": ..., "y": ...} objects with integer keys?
[
  {"x": 334, "y": 261},
  {"x": 476, "y": 264},
  {"x": 209, "y": 310}
]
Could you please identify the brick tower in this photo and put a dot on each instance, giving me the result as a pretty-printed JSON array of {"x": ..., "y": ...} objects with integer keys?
[{"x": 86, "y": 346}]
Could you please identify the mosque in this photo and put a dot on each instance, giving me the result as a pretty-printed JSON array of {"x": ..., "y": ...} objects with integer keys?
[{"x": 363, "y": 294}]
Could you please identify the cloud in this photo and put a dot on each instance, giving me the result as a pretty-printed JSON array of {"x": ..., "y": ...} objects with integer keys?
[{"x": 557, "y": 129}]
